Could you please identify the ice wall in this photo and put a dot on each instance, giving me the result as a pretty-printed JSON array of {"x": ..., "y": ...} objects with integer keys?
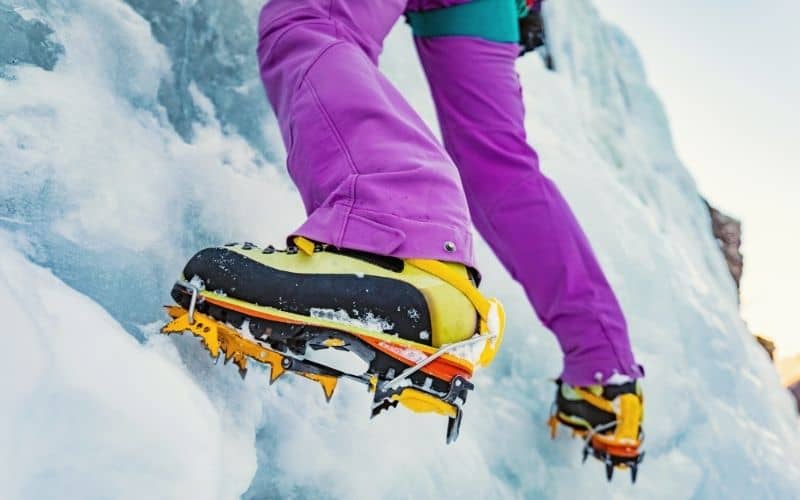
[
  {"x": 133, "y": 133},
  {"x": 26, "y": 41},
  {"x": 90, "y": 413}
]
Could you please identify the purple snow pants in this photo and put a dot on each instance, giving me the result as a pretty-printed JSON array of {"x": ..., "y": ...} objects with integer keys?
[{"x": 373, "y": 177}]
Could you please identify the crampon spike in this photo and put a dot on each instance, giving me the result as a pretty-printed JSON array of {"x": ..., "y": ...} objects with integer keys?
[
  {"x": 282, "y": 347},
  {"x": 212, "y": 345},
  {"x": 327, "y": 382},
  {"x": 174, "y": 312},
  {"x": 240, "y": 360},
  {"x": 383, "y": 406},
  {"x": 585, "y": 454},
  {"x": 275, "y": 372},
  {"x": 454, "y": 427},
  {"x": 552, "y": 422},
  {"x": 328, "y": 387},
  {"x": 634, "y": 472},
  {"x": 218, "y": 339},
  {"x": 229, "y": 353},
  {"x": 609, "y": 470}
]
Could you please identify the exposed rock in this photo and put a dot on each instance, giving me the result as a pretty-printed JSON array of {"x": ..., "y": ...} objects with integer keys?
[
  {"x": 789, "y": 371},
  {"x": 767, "y": 344},
  {"x": 728, "y": 232},
  {"x": 795, "y": 390}
]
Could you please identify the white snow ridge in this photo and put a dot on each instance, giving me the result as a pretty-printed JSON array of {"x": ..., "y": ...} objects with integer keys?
[{"x": 123, "y": 157}]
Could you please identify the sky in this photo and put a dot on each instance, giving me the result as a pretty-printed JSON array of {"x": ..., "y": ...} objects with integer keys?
[{"x": 728, "y": 73}]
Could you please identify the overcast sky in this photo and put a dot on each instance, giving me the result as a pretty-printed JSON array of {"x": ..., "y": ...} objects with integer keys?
[{"x": 728, "y": 73}]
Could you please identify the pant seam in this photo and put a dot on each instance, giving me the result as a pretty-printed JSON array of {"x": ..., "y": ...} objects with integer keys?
[
  {"x": 349, "y": 210},
  {"x": 304, "y": 76},
  {"x": 343, "y": 147},
  {"x": 337, "y": 134},
  {"x": 424, "y": 221},
  {"x": 286, "y": 31}
]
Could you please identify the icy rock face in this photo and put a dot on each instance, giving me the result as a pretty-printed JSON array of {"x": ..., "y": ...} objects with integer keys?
[
  {"x": 26, "y": 41},
  {"x": 148, "y": 140},
  {"x": 111, "y": 196},
  {"x": 210, "y": 45}
]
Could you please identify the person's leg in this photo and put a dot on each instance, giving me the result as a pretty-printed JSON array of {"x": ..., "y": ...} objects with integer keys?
[
  {"x": 518, "y": 210},
  {"x": 371, "y": 174}
]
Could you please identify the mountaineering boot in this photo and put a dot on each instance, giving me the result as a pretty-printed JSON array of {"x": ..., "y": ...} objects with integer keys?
[
  {"x": 608, "y": 418},
  {"x": 421, "y": 326},
  {"x": 357, "y": 289}
]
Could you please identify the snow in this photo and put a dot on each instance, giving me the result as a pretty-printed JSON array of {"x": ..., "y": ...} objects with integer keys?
[
  {"x": 470, "y": 349},
  {"x": 367, "y": 321},
  {"x": 108, "y": 186},
  {"x": 618, "y": 379},
  {"x": 90, "y": 413},
  {"x": 407, "y": 352}
]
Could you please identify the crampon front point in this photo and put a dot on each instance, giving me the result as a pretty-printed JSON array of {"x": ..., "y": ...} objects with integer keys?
[{"x": 422, "y": 377}]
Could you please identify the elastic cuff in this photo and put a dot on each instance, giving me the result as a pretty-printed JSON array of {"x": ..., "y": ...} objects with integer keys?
[
  {"x": 387, "y": 234},
  {"x": 598, "y": 372}
]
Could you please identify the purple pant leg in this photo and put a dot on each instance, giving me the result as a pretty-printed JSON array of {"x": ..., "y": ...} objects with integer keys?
[
  {"x": 371, "y": 174},
  {"x": 518, "y": 210}
]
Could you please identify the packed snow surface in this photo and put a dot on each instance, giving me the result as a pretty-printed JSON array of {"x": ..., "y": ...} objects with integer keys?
[{"x": 133, "y": 133}]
